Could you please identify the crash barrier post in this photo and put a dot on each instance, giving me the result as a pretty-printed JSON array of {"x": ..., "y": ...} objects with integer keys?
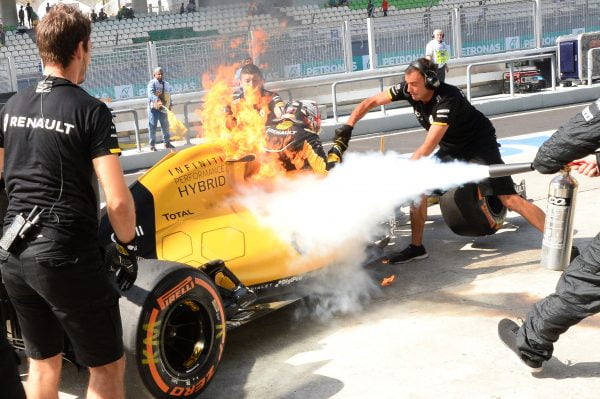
[
  {"x": 334, "y": 86},
  {"x": 511, "y": 60},
  {"x": 136, "y": 124},
  {"x": 590, "y": 64},
  {"x": 186, "y": 119}
]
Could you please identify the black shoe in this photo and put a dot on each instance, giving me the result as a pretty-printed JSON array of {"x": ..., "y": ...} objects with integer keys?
[
  {"x": 169, "y": 146},
  {"x": 507, "y": 331},
  {"x": 152, "y": 148},
  {"x": 411, "y": 252}
]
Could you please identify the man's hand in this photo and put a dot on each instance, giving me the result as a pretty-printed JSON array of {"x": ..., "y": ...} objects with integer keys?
[
  {"x": 157, "y": 104},
  {"x": 587, "y": 166},
  {"x": 340, "y": 143},
  {"x": 124, "y": 261}
]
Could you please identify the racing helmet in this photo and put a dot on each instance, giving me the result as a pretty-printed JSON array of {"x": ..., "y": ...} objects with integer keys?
[{"x": 305, "y": 112}]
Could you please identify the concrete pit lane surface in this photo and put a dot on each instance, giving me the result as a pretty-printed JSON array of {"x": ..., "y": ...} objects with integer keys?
[{"x": 432, "y": 333}]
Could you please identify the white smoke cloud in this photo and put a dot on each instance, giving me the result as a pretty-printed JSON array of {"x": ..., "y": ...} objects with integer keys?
[{"x": 342, "y": 212}]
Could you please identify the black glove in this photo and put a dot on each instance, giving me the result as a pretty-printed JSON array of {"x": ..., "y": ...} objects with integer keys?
[
  {"x": 340, "y": 145},
  {"x": 124, "y": 261}
]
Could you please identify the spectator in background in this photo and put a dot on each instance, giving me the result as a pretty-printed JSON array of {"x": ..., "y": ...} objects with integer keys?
[
  {"x": 21, "y": 16},
  {"x": 252, "y": 9},
  {"x": 384, "y": 7},
  {"x": 159, "y": 100},
  {"x": 181, "y": 9},
  {"x": 34, "y": 20},
  {"x": 29, "y": 11},
  {"x": 2, "y": 35},
  {"x": 191, "y": 7},
  {"x": 94, "y": 16},
  {"x": 102, "y": 15},
  {"x": 48, "y": 8},
  {"x": 370, "y": 9},
  {"x": 438, "y": 52}
]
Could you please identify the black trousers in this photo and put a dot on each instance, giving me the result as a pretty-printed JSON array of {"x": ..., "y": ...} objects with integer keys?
[{"x": 577, "y": 296}]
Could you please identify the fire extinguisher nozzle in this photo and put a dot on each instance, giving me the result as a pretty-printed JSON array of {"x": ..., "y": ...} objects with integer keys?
[{"x": 501, "y": 170}]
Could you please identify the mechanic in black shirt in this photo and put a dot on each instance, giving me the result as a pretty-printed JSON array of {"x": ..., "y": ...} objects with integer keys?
[
  {"x": 53, "y": 137},
  {"x": 462, "y": 133},
  {"x": 577, "y": 293}
]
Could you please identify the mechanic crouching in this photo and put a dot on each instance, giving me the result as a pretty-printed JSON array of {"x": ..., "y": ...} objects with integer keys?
[
  {"x": 462, "y": 133},
  {"x": 53, "y": 138},
  {"x": 577, "y": 294},
  {"x": 294, "y": 139}
]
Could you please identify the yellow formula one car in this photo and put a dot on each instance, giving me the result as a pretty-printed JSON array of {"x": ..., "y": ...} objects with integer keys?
[{"x": 209, "y": 265}]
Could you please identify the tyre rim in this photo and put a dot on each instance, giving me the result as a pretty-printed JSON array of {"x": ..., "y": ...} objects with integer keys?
[{"x": 186, "y": 337}]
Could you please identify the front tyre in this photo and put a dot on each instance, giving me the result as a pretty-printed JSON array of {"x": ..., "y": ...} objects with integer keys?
[{"x": 173, "y": 331}]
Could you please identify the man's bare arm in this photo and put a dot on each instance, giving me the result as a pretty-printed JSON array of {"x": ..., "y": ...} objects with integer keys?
[
  {"x": 119, "y": 202},
  {"x": 366, "y": 105},
  {"x": 433, "y": 138}
]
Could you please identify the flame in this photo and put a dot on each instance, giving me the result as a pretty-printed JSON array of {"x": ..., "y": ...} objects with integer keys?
[
  {"x": 238, "y": 127},
  {"x": 389, "y": 280},
  {"x": 176, "y": 128},
  {"x": 259, "y": 43}
]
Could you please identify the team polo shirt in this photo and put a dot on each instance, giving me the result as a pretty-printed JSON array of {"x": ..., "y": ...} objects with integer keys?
[
  {"x": 468, "y": 129},
  {"x": 50, "y": 133}
]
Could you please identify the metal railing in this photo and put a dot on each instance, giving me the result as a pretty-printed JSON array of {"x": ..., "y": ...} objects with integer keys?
[
  {"x": 511, "y": 69},
  {"x": 136, "y": 124},
  {"x": 590, "y": 64},
  {"x": 334, "y": 86}
]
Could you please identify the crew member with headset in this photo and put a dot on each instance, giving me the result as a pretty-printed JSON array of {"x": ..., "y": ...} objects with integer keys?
[
  {"x": 53, "y": 138},
  {"x": 295, "y": 139},
  {"x": 577, "y": 294},
  {"x": 462, "y": 133}
]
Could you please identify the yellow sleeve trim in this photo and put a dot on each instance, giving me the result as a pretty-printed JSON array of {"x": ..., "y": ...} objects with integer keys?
[
  {"x": 115, "y": 150},
  {"x": 389, "y": 94},
  {"x": 439, "y": 124}
]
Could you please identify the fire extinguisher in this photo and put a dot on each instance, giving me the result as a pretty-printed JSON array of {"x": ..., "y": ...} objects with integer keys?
[{"x": 558, "y": 229}]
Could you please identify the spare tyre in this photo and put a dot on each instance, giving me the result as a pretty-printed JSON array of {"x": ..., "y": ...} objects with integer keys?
[
  {"x": 468, "y": 213},
  {"x": 173, "y": 331}
]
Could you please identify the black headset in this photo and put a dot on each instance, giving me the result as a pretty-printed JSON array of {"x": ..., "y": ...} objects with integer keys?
[{"x": 431, "y": 80}]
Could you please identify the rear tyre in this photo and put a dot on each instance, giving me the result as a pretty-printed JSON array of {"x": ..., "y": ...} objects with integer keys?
[
  {"x": 470, "y": 214},
  {"x": 173, "y": 331}
]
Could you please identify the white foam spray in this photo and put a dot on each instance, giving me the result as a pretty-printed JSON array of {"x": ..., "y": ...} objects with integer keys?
[{"x": 342, "y": 212}]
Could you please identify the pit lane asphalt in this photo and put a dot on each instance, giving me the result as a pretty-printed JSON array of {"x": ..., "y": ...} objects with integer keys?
[{"x": 431, "y": 334}]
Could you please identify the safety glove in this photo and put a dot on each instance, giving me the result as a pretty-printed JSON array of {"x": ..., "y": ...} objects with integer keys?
[
  {"x": 340, "y": 144},
  {"x": 124, "y": 261}
]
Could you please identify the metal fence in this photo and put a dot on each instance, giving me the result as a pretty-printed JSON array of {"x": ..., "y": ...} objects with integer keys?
[
  {"x": 497, "y": 28},
  {"x": 304, "y": 52},
  {"x": 400, "y": 46},
  {"x": 119, "y": 73},
  {"x": 567, "y": 17},
  {"x": 320, "y": 49},
  {"x": 184, "y": 61}
]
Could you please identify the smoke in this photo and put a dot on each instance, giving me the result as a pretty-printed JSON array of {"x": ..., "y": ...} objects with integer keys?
[{"x": 338, "y": 215}]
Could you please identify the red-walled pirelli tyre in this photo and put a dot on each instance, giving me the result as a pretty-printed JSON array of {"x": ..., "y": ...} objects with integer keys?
[
  {"x": 173, "y": 331},
  {"x": 468, "y": 213}
]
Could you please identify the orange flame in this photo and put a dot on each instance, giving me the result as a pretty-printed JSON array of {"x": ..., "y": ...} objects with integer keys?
[
  {"x": 259, "y": 43},
  {"x": 239, "y": 127},
  {"x": 389, "y": 280}
]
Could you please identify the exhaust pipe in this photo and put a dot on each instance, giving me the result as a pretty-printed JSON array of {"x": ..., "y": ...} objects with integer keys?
[{"x": 500, "y": 170}]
